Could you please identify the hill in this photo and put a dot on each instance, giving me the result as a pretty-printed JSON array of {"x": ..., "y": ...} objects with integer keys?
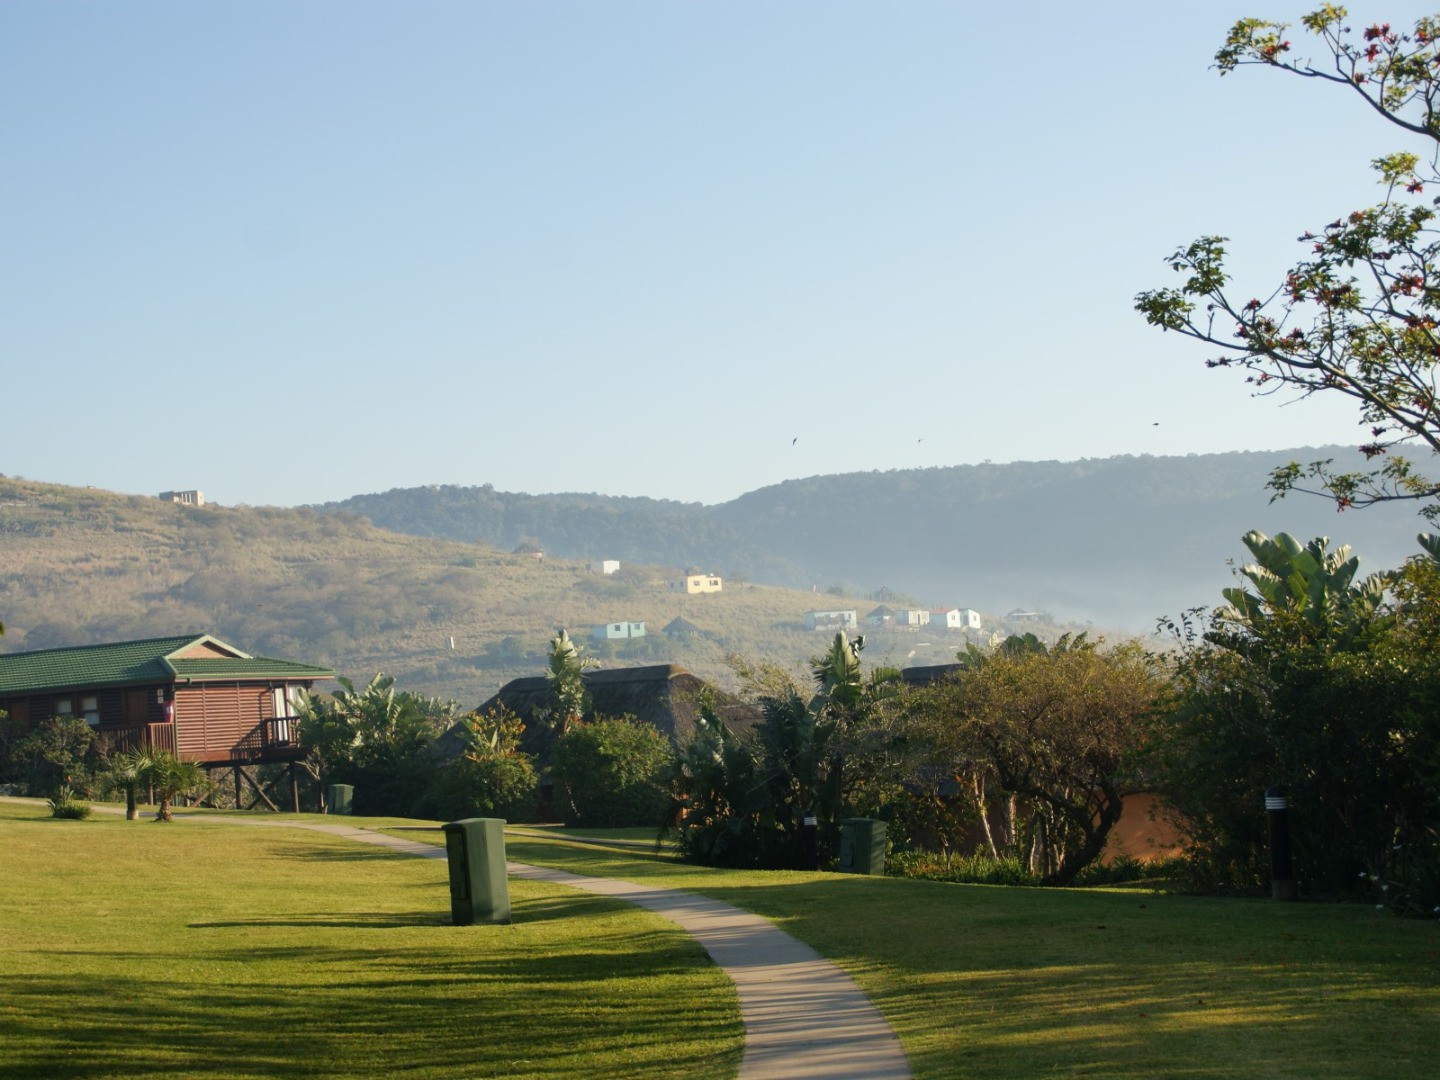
[
  {"x": 1116, "y": 541},
  {"x": 81, "y": 565}
]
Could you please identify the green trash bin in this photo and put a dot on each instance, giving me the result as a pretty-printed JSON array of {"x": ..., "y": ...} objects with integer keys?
[
  {"x": 338, "y": 798},
  {"x": 479, "y": 889},
  {"x": 862, "y": 846}
]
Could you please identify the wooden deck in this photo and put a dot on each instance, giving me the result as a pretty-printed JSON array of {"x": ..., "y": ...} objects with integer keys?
[{"x": 276, "y": 739}]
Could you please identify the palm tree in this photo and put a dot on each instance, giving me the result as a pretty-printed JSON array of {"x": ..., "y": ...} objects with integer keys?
[
  {"x": 170, "y": 778},
  {"x": 127, "y": 773}
]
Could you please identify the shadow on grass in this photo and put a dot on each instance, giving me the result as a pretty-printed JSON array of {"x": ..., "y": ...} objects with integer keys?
[
  {"x": 352, "y": 854},
  {"x": 486, "y": 1008},
  {"x": 377, "y": 921}
]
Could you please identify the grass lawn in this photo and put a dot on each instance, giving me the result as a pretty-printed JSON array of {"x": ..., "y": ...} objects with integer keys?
[
  {"x": 133, "y": 949},
  {"x": 984, "y": 981}
]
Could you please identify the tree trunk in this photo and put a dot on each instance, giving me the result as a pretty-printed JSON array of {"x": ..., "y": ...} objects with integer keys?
[{"x": 1096, "y": 836}]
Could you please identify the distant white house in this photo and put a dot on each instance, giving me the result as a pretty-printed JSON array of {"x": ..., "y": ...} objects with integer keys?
[
  {"x": 881, "y": 616},
  {"x": 831, "y": 620},
  {"x": 912, "y": 618},
  {"x": 605, "y": 566},
  {"x": 618, "y": 630},
  {"x": 697, "y": 583},
  {"x": 184, "y": 498},
  {"x": 956, "y": 618}
]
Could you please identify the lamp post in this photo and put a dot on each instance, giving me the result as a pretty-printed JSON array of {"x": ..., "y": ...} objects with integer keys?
[{"x": 1282, "y": 873}]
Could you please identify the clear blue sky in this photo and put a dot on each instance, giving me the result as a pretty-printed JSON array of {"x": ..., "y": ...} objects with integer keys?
[{"x": 291, "y": 251}]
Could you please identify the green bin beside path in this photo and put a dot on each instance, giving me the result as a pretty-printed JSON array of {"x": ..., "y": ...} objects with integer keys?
[
  {"x": 479, "y": 889},
  {"x": 862, "y": 846}
]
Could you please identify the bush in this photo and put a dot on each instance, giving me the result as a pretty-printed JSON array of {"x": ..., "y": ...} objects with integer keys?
[
  {"x": 613, "y": 772},
  {"x": 64, "y": 804},
  {"x": 981, "y": 868},
  {"x": 56, "y": 754},
  {"x": 502, "y": 786}
]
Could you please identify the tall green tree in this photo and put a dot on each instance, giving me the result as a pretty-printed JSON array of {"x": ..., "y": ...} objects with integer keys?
[
  {"x": 567, "y": 665},
  {"x": 1322, "y": 689},
  {"x": 1052, "y": 735},
  {"x": 1356, "y": 315}
]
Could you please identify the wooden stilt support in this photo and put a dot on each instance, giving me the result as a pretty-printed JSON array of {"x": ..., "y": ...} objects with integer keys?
[
  {"x": 237, "y": 787},
  {"x": 255, "y": 786},
  {"x": 294, "y": 789}
]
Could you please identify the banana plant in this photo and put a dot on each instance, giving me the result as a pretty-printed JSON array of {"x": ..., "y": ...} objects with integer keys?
[{"x": 1312, "y": 581}]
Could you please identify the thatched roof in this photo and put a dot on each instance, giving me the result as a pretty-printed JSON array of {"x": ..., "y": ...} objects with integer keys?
[
  {"x": 661, "y": 695},
  {"x": 678, "y": 625}
]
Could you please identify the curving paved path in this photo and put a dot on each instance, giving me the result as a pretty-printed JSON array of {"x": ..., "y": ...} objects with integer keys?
[{"x": 805, "y": 1019}]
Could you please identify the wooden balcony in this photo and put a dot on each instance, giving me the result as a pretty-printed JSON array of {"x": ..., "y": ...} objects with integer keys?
[
  {"x": 143, "y": 737},
  {"x": 275, "y": 739}
]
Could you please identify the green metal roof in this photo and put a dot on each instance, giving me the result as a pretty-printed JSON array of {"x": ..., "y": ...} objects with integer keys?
[
  {"x": 130, "y": 663},
  {"x": 252, "y": 667}
]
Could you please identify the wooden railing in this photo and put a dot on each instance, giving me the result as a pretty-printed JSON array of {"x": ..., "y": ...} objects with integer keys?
[
  {"x": 145, "y": 737},
  {"x": 278, "y": 736}
]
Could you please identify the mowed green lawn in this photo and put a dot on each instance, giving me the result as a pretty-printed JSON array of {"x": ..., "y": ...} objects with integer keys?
[
  {"x": 135, "y": 949},
  {"x": 132, "y": 950},
  {"x": 983, "y": 981}
]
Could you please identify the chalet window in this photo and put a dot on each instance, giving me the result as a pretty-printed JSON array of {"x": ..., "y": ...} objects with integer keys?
[
  {"x": 64, "y": 707},
  {"x": 90, "y": 706}
]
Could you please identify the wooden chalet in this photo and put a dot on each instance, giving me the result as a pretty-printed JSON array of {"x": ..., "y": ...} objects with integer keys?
[{"x": 195, "y": 696}]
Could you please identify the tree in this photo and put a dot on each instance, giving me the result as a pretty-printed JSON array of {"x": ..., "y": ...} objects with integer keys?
[
  {"x": 374, "y": 738},
  {"x": 744, "y": 802},
  {"x": 126, "y": 772},
  {"x": 170, "y": 778},
  {"x": 55, "y": 754},
  {"x": 613, "y": 772},
  {"x": 1358, "y": 314},
  {"x": 493, "y": 777},
  {"x": 1312, "y": 582},
  {"x": 567, "y": 667},
  {"x": 1314, "y": 683},
  {"x": 1059, "y": 732}
]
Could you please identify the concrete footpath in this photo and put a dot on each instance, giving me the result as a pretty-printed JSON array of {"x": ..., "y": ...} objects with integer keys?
[{"x": 805, "y": 1019}]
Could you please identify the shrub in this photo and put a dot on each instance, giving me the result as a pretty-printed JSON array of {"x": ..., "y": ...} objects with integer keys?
[
  {"x": 64, "y": 804},
  {"x": 493, "y": 778},
  {"x": 502, "y": 786},
  {"x": 57, "y": 753},
  {"x": 982, "y": 868},
  {"x": 613, "y": 772}
]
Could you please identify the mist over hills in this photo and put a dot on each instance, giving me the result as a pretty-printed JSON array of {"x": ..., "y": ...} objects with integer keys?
[{"x": 1115, "y": 541}]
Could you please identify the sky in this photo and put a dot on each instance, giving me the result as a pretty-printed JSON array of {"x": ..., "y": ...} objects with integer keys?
[{"x": 287, "y": 252}]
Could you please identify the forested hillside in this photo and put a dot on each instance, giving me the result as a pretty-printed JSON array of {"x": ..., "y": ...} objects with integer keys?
[{"x": 1117, "y": 541}]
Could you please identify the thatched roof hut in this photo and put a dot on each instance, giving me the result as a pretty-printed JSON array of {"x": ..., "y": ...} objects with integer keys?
[
  {"x": 679, "y": 626},
  {"x": 661, "y": 695}
]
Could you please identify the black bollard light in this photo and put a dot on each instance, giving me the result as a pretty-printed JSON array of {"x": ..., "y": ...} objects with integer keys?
[
  {"x": 1282, "y": 873},
  {"x": 809, "y": 842}
]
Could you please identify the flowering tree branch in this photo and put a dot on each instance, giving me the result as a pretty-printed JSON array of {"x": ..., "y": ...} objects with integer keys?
[{"x": 1357, "y": 315}]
